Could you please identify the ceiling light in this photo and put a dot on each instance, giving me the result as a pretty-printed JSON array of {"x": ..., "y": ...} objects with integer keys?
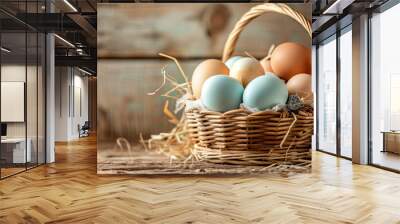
[
  {"x": 65, "y": 41},
  {"x": 5, "y": 50},
  {"x": 84, "y": 71},
  {"x": 70, "y": 5},
  {"x": 80, "y": 51}
]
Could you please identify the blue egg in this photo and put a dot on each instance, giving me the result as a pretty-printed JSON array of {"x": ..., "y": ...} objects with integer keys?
[
  {"x": 229, "y": 63},
  {"x": 265, "y": 92},
  {"x": 221, "y": 93}
]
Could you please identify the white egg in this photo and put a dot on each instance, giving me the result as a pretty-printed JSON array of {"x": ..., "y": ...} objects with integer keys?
[
  {"x": 231, "y": 61},
  {"x": 246, "y": 69}
]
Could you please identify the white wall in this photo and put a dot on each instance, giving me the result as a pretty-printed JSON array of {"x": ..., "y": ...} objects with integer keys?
[
  {"x": 70, "y": 83},
  {"x": 15, "y": 73},
  {"x": 81, "y": 82},
  {"x": 62, "y": 81},
  {"x": 11, "y": 73}
]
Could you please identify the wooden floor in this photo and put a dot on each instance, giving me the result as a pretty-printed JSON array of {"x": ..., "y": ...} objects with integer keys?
[
  {"x": 386, "y": 159},
  {"x": 70, "y": 191},
  {"x": 10, "y": 171}
]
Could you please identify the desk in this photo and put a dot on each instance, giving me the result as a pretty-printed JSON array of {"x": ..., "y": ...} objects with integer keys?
[
  {"x": 391, "y": 141},
  {"x": 15, "y": 148}
]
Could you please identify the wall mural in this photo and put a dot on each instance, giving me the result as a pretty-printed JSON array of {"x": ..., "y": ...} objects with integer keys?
[{"x": 180, "y": 93}]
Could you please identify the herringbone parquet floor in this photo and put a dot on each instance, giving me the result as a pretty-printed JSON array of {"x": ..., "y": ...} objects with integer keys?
[{"x": 69, "y": 191}]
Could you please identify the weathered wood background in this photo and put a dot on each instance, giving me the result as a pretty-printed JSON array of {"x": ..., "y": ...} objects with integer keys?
[
  {"x": 124, "y": 107},
  {"x": 131, "y": 35},
  {"x": 189, "y": 30}
]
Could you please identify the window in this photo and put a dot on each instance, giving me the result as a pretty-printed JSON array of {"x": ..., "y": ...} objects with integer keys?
[
  {"x": 385, "y": 89},
  {"x": 335, "y": 74},
  {"x": 346, "y": 72},
  {"x": 327, "y": 96}
]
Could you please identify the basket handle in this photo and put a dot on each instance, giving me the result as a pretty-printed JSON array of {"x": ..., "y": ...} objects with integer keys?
[{"x": 255, "y": 12}]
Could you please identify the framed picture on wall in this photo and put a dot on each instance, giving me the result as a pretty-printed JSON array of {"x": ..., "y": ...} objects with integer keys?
[{"x": 12, "y": 101}]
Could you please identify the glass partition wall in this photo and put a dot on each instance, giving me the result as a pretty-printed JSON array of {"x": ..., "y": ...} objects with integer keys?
[
  {"x": 22, "y": 98},
  {"x": 13, "y": 111},
  {"x": 334, "y": 94}
]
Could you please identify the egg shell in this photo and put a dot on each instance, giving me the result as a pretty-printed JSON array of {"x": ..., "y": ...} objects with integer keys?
[
  {"x": 221, "y": 93},
  {"x": 289, "y": 59},
  {"x": 229, "y": 63},
  {"x": 265, "y": 92},
  {"x": 205, "y": 70},
  {"x": 266, "y": 64},
  {"x": 246, "y": 69},
  {"x": 300, "y": 85}
]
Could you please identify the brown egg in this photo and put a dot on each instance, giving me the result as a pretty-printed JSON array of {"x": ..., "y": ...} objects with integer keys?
[
  {"x": 266, "y": 64},
  {"x": 246, "y": 69},
  {"x": 205, "y": 70},
  {"x": 289, "y": 59},
  {"x": 300, "y": 85}
]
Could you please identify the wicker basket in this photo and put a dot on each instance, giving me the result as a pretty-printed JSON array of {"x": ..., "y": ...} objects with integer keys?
[{"x": 261, "y": 138}]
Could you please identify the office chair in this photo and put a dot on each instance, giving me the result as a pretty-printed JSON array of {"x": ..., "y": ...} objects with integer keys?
[{"x": 84, "y": 130}]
